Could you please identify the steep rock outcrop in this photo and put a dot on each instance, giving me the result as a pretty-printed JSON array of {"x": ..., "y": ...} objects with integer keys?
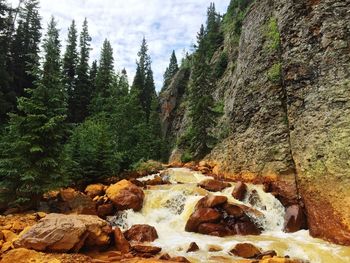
[{"x": 287, "y": 109}]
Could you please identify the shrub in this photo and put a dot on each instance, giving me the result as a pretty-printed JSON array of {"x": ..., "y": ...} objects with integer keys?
[
  {"x": 274, "y": 73},
  {"x": 147, "y": 167},
  {"x": 221, "y": 65},
  {"x": 272, "y": 35}
]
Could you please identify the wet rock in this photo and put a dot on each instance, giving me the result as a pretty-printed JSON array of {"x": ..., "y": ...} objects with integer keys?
[
  {"x": 146, "y": 249},
  {"x": 72, "y": 201},
  {"x": 294, "y": 219},
  {"x": 179, "y": 259},
  {"x": 94, "y": 190},
  {"x": 137, "y": 182},
  {"x": 240, "y": 191},
  {"x": 267, "y": 254},
  {"x": 105, "y": 210},
  {"x": 202, "y": 215},
  {"x": 254, "y": 198},
  {"x": 213, "y": 185},
  {"x": 211, "y": 201},
  {"x": 63, "y": 233},
  {"x": 121, "y": 244},
  {"x": 246, "y": 250},
  {"x": 141, "y": 233},
  {"x": 157, "y": 180},
  {"x": 193, "y": 247},
  {"x": 212, "y": 229},
  {"x": 246, "y": 228},
  {"x": 165, "y": 257},
  {"x": 126, "y": 195},
  {"x": 214, "y": 248}
]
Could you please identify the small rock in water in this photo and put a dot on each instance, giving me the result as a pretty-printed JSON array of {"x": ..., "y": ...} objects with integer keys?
[
  {"x": 211, "y": 201},
  {"x": 246, "y": 250},
  {"x": 141, "y": 233},
  {"x": 165, "y": 257},
  {"x": 121, "y": 244},
  {"x": 180, "y": 259},
  {"x": 294, "y": 219},
  {"x": 193, "y": 247},
  {"x": 146, "y": 249},
  {"x": 240, "y": 191},
  {"x": 211, "y": 229},
  {"x": 214, "y": 248},
  {"x": 213, "y": 185},
  {"x": 267, "y": 254},
  {"x": 202, "y": 215}
]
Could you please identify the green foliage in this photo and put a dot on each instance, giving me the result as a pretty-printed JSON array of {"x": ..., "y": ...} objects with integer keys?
[
  {"x": 213, "y": 34},
  {"x": 186, "y": 157},
  {"x": 171, "y": 70},
  {"x": 91, "y": 152},
  {"x": 147, "y": 167},
  {"x": 219, "y": 107},
  {"x": 221, "y": 65},
  {"x": 274, "y": 73},
  {"x": 272, "y": 35}
]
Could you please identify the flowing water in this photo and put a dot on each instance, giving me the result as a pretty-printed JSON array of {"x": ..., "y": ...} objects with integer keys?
[{"x": 168, "y": 208}]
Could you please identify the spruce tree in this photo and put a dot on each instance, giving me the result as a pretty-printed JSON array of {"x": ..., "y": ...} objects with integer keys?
[
  {"x": 213, "y": 35},
  {"x": 82, "y": 94},
  {"x": 31, "y": 162},
  {"x": 201, "y": 101},
  {"x": 70, "y": 62},
  {"x": 171, "y": 70}
]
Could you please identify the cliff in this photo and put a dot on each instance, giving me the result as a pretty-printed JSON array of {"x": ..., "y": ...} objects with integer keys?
[{"x": 286, "y": 117}]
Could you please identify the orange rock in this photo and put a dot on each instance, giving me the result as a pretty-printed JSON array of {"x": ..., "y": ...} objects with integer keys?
[
  {"x": 213, "y": 185},
  {"x": 141, "y": 233},
  {"x": 202, "y": 215},
  {"x": 121, "y": 243},
  {"x": 146, "y": 249},
  {"x": 245, "y": 250},
  {"x": 193, "y": 247},
  {"x": 94, "y": 190},
  {"x": 294, "y": 219},
  {"x": 211, "y": 201},
  {"x": 240, "y": 191}
]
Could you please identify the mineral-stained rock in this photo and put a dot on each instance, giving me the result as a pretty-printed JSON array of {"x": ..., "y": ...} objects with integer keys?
[
  {"x": 180, "y": 259},
  {"x": 72, "y": 201},
  {"x": 105, "y": 210},
  {"x": 193, "y": 247},
  {"x": 63, "y": 233},
  {"x": 121, "y": 244},
  {"x": 266, "y": 254},
  {"x": 240, "y": 190},
  {"x": 212, "y": 229},
  {"x": 294, "y": 219},
  {"x": 141, "y": 233},
  {"x": 211, "y": 201},
  {"x": 246, "y": 250},
  {"x": 202, "y": 215},
  {"x": 126, "y": 195},
  {"x": 245, "y": 228},
  {"x": 146, "y": 249},
  {"x": 213, "y": 185},
  {"x": 94, "y": 190}
]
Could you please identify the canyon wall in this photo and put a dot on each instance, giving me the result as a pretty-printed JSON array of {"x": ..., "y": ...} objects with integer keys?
[{"x": 286, "y": 108}]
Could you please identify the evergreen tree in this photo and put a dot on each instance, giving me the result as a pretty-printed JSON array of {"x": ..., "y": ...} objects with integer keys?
[
  {"x": 171, "y": 70},
  {"x": 83, "y": 93},
  {"x": 70, "y": 62},
  {"x": 31, "y": 162},
  {"x": 213, "y": 34},
  {"x": 26, "y": 47},
  {"x": 201, "y": 102},
  {"x": 92, "y": 76}
]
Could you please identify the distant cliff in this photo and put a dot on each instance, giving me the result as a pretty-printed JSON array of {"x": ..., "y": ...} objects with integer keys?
[{"x": 286, "y": 107}]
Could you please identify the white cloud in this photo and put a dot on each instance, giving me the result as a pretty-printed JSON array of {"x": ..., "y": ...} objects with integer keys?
[{"x": 166, "y": 24}]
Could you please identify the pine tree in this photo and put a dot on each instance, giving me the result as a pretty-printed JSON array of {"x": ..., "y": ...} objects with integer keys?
[
  {"x": 31, "y": 162},
  {"x": 201, "y": 101},
  {"x": 26, "y": 46},
  {"x": 171, "y": 70},
  {"x": 70, "y": 62},
  {"x": 213, "y": 34},
  {"x": 82, "y": 94}
]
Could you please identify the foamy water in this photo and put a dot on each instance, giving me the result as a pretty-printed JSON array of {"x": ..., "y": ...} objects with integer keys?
[{"x": 168, "y": 208}]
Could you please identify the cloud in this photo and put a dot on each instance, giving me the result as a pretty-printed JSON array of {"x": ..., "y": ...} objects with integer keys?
[{"x": 166, "y": 24}]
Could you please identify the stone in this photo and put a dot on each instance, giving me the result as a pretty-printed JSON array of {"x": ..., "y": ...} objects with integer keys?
[
  {"x": 267, "y": 254},
  {"x": 246, "y": 228},
  {"x": 213, "y": 185},
  {"x": 192, "y": 247},
  {"x": 294, "y": 219},
  {"x": 1, "y": 236},
  {"x": 121, "y": 244},
  {"x": 146, "y": 249},
  {"x": 141, "y": 233},
  {"x": 179, "y": 259},
  {"x": 105, "y": 210},
  {"x": 8, "y": 236},
  {"x": 126, "y": 195},
  {"x": 64, "y": 233},
  {"x": 214, "y": 248},
  {"x": 211, "y": 201},
  {"x": 245, "y": 250},
  {"x": 75, "y": 202},
  {"x": 94, "y": 190},
  {"x": 240, "y": 191},
  {"x": 212, "y": 229},
  {"x": 202, "y": 215},
  {"x": 165, "y": 257}
]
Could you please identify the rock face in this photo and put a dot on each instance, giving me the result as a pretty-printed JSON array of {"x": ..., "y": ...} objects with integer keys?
[
  {"x": 286, "y": 108},
  {"x": 64, "y": 233},
  {"x": 126, "y": 195},
  {"x": 294, "y": 219}
]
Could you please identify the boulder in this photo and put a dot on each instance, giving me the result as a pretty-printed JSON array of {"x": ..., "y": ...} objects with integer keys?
[
  {"x": 294, "y": 219},
  {"x": 141, "y": 233},
  {"x": 105, "y": 210},
  {"x": 121, "y": 244},
  {"x": 202, "y": 215},
  {"x": 94, "y": 190},
  {"x": 212, "y": 229},
  {"x": 213, "y": 185},
  {"x": 240, "y": 191},
  {"x": 63, "y": 233},
  {"x": 125, "y": 195},
  {"x": 246, "y": 228},
  {"x": 72, "y": 201},
  {"x": 246, "y": 250},
  {"x": 192, "y": 247},
  {"x": 267, "y": 254},
  {"x": 211, "y": 201}
]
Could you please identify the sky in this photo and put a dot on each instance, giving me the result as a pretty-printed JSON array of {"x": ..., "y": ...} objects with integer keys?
[{"x": 166, "y": 24}]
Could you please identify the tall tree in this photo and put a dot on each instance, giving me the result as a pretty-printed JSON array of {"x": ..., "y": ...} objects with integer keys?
[
  {"x": 70, "y": 63},
  {"x": 143, "y": 85},
  {"x": 31, "y": 162},
  {"x": 171, "y": 70},
  {"x": 82, "y": 94},
  {"x": 201, "y": 101},
  {"x": 26, "y": 46},
  {"x": 214, "y": 35}
]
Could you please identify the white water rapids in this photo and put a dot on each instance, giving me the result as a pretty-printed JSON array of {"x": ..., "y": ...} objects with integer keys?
[{"x": 168, "y": 207}]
